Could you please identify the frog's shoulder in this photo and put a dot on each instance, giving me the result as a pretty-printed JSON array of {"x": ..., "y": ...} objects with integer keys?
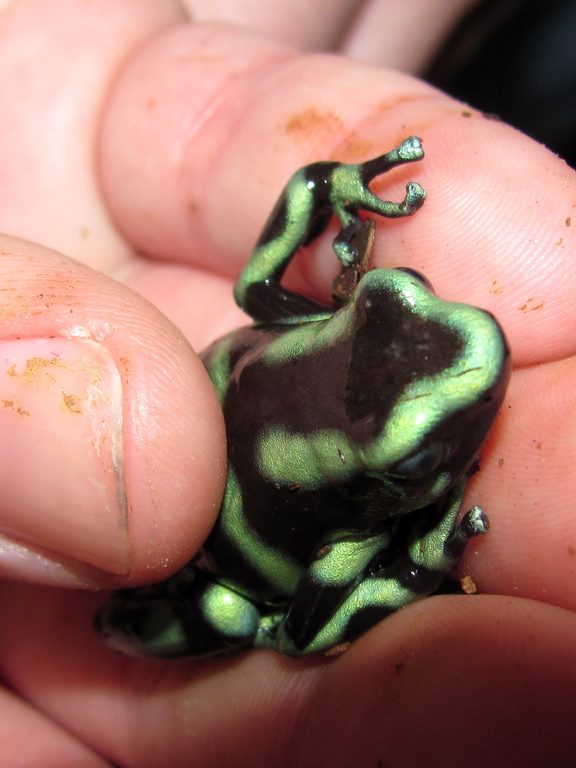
[{"x": 240, "y": 347}]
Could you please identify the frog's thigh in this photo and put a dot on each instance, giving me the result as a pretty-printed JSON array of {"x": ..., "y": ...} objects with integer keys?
[
  {"x": 232, "y": 619},
  {"x": 203, "y": 620}
]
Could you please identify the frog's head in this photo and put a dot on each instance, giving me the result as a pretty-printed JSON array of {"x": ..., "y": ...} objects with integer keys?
[{"x": 426, "y": 379}]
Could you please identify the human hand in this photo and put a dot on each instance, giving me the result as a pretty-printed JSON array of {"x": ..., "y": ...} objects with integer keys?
[{"x": 164, "y": 184}]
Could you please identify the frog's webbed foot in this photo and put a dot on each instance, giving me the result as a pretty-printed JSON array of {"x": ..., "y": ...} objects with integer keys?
[
  {"x": 350, "y": 193},
  {"x": 268, "y": 628},
  {"x": 474, "y": 523},
  {"x": 344, "y": 243}
]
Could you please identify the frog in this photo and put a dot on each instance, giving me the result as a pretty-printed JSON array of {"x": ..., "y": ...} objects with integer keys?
[{"x": 353, "y": 427}]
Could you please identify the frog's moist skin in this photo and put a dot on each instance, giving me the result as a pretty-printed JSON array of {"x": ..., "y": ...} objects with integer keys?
[{"x": 351, "y": 436}]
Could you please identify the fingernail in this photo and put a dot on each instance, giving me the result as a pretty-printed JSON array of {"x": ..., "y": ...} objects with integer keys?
[{"x": 61, "y": 450}]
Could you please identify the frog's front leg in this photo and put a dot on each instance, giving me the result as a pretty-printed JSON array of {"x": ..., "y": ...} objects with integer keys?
[
  {"x": 388, "y": 585},
  {"x": 350, "y": 193},
  {"x": 416, "y": 575},
  {"x": 302, "y": 213},
  {"x": 335, "y": 572}
]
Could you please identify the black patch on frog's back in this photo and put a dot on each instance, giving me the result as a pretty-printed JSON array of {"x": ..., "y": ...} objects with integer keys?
[
  {"x": 291, "y": 521},
  {"x": 351, "y": 386},
  {"x": 390, "y": 349}
]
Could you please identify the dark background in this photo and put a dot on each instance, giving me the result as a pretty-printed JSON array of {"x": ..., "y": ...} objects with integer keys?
[{"x": 516, "y": 59}]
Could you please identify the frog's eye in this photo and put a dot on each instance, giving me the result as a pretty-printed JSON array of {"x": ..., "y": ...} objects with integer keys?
[
  {"x": 419, "y": 276},
  {"x": 422, "y": 463}
]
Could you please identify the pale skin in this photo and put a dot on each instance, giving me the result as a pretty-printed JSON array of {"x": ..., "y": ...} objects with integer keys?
[{"x": 156, "y": 170}]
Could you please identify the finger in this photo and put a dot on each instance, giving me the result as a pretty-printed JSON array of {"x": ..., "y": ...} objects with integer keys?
[
  {"x": 426, "y": 686},
  {"x": 56, "y": 66},
  {"x": 29, "y": 738},
  {"x": 404, "y": 36},
  {"x": 496, "y": 230},
  {"x": 113, "y": 444},
  {"x": 307, "y": 26},
  {"x": 526, "y": 486},
  {"x": 480, "y": 237},
  {"x": 456, "y": 684}
]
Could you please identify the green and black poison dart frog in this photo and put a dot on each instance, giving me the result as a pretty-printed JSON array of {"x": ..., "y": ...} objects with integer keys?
[{"x": 352, "y": 432}]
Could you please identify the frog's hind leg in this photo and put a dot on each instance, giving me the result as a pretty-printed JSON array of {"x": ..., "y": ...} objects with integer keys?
[
  {"x": 200, "y": 619},
  {"x": 418, "y": 568}
]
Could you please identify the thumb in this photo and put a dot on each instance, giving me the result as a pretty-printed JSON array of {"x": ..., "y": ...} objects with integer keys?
[{"x": 112, "y": 450}]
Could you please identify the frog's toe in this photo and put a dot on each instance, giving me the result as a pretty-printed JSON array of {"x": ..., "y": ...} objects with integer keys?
[
  {"x": 411, "y": 149},
  {"x": 474, "y": 523},
  {"x": 414, "y": 198}
]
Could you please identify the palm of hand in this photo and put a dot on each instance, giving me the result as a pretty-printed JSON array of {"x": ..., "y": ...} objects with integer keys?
[{"x": 168, "y": 193}]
